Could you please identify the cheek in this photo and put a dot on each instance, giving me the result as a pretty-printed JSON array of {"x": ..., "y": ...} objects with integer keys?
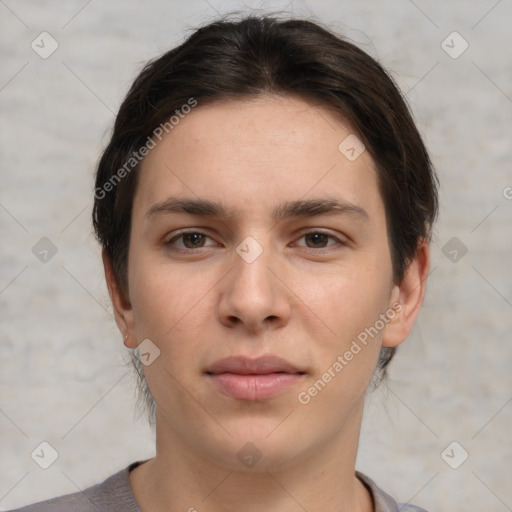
[
  {"x": 350, "y": 304},
  {"x": 167, "y": 311},
  {"x": 349, "y": 300},
  {"x": 161, "y": 304},
  {"x": 168, "y": 305}
]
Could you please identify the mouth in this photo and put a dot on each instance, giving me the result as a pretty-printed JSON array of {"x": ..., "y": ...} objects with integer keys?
[{"x": 258, "y": 379}]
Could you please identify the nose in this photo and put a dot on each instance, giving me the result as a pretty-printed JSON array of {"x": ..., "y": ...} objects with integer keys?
[{"x": 253, "y": 295}]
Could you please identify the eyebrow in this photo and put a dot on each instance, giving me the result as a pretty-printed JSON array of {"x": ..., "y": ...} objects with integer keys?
[{"x": 288, "y": 209}]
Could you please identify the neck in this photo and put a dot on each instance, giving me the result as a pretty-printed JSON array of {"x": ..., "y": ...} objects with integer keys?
[{"x": 180, "y": 478}]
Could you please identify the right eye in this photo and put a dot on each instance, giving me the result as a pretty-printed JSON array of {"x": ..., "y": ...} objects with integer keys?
[{"x": 188, "y": 241}]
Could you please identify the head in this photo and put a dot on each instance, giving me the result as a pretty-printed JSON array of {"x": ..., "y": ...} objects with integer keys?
[{"x": 263, "y": 117}]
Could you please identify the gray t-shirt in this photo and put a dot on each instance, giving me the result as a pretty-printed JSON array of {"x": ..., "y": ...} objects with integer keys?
[{"x": 115, "y": 495}]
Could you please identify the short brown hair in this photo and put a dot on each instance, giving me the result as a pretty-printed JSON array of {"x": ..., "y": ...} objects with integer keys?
[{"x": 266, "y": 55}]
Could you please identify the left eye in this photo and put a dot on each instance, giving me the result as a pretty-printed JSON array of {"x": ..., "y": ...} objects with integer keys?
[{"x": 318, "y": 240}]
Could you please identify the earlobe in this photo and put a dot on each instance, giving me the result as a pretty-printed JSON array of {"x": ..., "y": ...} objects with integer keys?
[
  {"x": 409, "y": 295},
  {"x": 123, "y": 311}
]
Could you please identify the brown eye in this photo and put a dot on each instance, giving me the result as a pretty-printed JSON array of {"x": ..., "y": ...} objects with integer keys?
[
  {"x": 196, "y": 240},
  {"x": 318, "y": 240},
  {"x": 189, "y": 241}
]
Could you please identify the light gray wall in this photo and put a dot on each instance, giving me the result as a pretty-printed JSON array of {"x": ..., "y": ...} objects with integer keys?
[{"x": 62, "y": 376}]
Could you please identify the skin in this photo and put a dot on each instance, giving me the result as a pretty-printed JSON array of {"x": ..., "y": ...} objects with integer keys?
[{"x": 305, "y": 299}]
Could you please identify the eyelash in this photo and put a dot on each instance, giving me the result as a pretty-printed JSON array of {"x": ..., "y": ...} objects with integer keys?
[{"x": 319, "y": 250}]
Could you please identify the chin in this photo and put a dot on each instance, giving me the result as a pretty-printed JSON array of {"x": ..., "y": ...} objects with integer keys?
[{"x": 252, "y": 449}]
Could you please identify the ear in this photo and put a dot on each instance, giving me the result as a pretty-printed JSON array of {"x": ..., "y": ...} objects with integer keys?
[
  {"x": 407, "y": 298},
  {"x": 122, "y": 307}
]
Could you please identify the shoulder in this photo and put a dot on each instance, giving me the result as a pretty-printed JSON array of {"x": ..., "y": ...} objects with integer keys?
[
  {"x": 383, "y": 501},
  {"x": 112, "y": 495}
]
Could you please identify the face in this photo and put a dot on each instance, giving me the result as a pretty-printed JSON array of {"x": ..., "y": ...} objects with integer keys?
[{"x": 254, "y": 235}]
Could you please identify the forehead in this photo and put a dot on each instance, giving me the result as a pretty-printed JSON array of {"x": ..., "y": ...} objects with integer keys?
[{"x": 256, "y": 153}]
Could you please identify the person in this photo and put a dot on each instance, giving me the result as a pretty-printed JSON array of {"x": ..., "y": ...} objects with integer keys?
[{"x": 265, "y": 206}]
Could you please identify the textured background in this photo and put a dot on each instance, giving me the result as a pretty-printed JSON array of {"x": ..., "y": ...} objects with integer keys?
[{"x": 63, "y": 376}]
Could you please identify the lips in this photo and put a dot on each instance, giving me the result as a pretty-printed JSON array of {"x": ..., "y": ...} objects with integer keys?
[
  {"x": 245, "y": 366},
  {"x": 249, "y": 379}
]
